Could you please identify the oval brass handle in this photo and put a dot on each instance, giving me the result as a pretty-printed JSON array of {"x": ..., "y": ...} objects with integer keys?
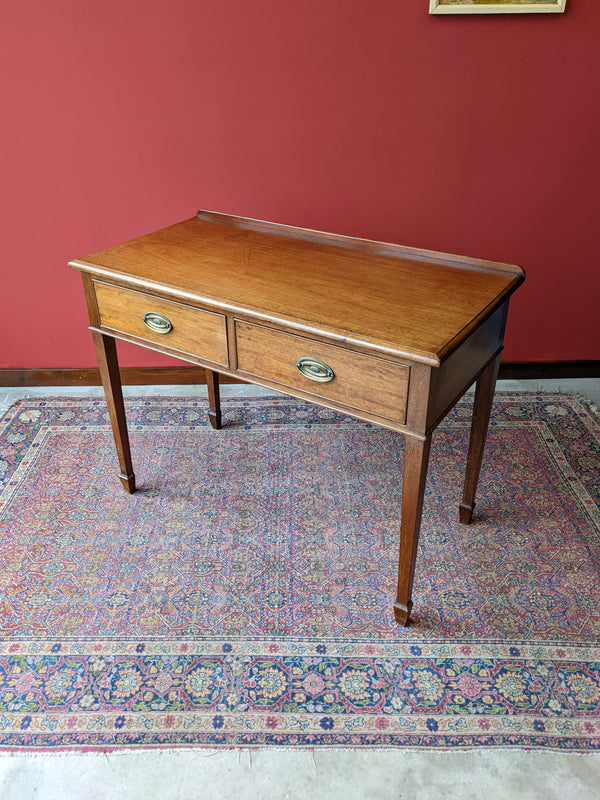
[
  {"x": 157, "y": 322},
  {"x": 315, "y": 370}
]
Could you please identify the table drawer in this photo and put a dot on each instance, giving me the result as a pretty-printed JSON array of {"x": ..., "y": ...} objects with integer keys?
[
  {"x": 362, "y": 382},
  {"x": 171, "y": 325}
]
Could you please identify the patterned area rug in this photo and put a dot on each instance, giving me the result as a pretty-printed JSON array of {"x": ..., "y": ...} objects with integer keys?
[{"x": 243, "y": 596}]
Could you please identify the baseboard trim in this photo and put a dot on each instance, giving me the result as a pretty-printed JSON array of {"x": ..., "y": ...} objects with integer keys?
[
  {"x": 541, "y": 370},
  {"x": 144, "y": 376},
  {"x": 130, "y": 376}
]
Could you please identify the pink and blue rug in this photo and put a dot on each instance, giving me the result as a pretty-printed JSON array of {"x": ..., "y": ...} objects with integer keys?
[{"x": 242, "y": 597}]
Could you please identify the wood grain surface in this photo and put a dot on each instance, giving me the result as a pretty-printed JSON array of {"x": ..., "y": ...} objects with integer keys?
[
  {"x": 409, "y": 302},
  {"x": 362, "y": 382}
]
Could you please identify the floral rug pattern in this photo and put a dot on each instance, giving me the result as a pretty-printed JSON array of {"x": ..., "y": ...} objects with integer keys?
[{"x": 243, "y": 595}]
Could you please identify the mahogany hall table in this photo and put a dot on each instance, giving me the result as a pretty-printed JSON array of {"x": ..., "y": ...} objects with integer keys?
[{"x": 385, "y": 333}]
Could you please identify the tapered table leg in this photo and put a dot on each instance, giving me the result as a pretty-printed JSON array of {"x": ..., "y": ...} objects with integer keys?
[
  {"x": 416, "y": 460},
  {"x": 482, "y": 407},
  {"x": 214, "y": 398},
  {"x": 106, "y": 353}
]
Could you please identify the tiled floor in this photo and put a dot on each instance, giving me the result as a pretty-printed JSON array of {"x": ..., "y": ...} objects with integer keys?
[
  {"x": 302, "y": 775},
  {"x": 326, "y": 774}
]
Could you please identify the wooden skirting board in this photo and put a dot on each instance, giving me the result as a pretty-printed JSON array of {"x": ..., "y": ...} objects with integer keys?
[{"x": 146, "y": 376}]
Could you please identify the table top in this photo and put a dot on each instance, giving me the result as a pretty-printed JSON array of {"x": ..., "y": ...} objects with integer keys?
[{"x": 409, "y": 302}]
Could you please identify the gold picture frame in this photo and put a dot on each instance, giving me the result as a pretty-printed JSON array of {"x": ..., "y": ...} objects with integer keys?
[{"x": 497, "y": 6}]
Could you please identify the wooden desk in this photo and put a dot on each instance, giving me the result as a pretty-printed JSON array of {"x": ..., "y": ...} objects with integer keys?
[{"x": 388, "y": 334}]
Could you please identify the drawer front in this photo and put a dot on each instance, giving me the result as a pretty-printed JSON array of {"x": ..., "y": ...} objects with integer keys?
[
  {"x": 193, "y": 332},
  {"x": 362, "y": 382}
]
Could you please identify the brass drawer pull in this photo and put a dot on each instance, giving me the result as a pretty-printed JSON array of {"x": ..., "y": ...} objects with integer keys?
[
  {"x": 315, "y": 370},
  {"x": 157, "y": 322}
]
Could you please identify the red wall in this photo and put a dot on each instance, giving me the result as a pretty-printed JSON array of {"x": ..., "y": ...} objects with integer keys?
[{"x": 475, "y": 134}]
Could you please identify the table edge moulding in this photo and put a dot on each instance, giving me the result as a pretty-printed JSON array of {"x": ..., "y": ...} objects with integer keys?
[{"x": 388, "y": 334}]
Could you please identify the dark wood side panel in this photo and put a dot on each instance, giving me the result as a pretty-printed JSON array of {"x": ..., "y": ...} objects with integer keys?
[{"x": 460, "y": 370}]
